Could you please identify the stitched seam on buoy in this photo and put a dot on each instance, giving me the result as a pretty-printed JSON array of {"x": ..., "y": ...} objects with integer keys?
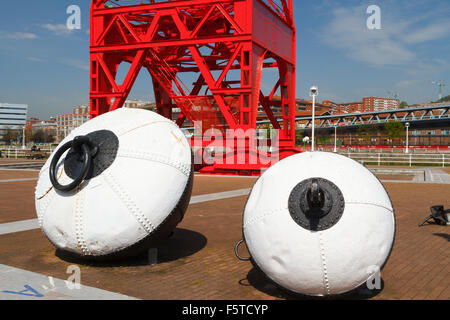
[
  {"x": 79, "y": 226},
  {"x": 258, "y": 218},
  {"x": 46, "y": 203},
  {"x": 41, "y": 196},
  {"x": 124, "y": 130},
  {"x": 326, "y": 282},
  {"x": 129, "y": 203},
  {"x": 142, "y": 155}
]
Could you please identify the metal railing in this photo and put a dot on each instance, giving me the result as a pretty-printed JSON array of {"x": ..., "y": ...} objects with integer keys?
[
  {"x": 368, "y": 158},
  {"x": 19, "y": 153},
  {"x": 405, "y": 159}
]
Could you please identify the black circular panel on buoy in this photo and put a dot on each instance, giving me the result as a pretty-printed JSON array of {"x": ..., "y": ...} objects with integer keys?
[
  {"x": 316, "y": 216},
  {"x": 107, "y": 145}
]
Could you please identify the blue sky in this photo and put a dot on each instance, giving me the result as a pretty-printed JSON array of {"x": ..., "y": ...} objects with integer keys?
[{"x": 47, "y": 67}]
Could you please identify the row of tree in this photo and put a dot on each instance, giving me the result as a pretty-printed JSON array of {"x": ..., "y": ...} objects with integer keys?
[
  {"x": 444, "y": 99},
  {"x": 390, "y": 130},
  {"x": 404, "y": 104},
  {"x": 40, "y": 136}
]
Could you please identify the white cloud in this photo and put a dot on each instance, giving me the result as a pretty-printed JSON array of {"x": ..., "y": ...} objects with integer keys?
[
  {"x": 18, "y": 35},
  {"x": 58, "y": 29},
  {"x": 432, "y": 32},
  {"x": 405, "y": 83},
  {"x": 429, "y": 67},
  {"x": 395, "y": 44},
  {"x": 348, "y": 31},
  {"x": 34, "y": 59},
  {"x": 76, "y": 63}
]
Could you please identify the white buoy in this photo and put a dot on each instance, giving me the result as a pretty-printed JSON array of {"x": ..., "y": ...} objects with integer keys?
[
  {"x": 319, "y": 224},
  {"x": 133, "y": 193}
]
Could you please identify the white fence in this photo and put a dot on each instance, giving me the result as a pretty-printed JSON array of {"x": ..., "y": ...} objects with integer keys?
[
  {"x": 17, "y": 153},
  {"x": 405, "y": 159}
]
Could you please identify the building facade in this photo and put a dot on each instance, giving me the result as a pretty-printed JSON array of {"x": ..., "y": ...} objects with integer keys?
[
  {"x": 371, "y": 104},
  {"x": 31, "y": 121},
  {"x": 139, "y": 104},
  {"x": 81, "y": 114},
  {"x": 12, "y": 116},
  {"x": 65, "y": 123},
  {"x": 350, "y": 107}
]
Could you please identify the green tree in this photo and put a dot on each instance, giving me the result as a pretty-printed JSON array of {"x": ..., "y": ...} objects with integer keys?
[
  {"x": 394, "y": 130},
  {"x": 43, "y": 136},
  {"x": 268, "y": 127},
  {"x": 39, "y": 136},
  {"x": 444, "y": 99},
  {"x": 10, "y": 135},
  {"x": 403, "y": 104},
  {"x": 28, "y": 134},
  {"x": 298, "y": 138},
  {"x": 368, "y": 132}
]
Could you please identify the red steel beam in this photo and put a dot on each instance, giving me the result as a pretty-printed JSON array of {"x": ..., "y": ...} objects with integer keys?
[{"x": 209, "y": 38}]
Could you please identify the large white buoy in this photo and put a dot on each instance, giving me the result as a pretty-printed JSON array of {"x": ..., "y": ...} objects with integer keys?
[
  {"x": 319, "y": 224},
  {"x": 121, "y": 183}
]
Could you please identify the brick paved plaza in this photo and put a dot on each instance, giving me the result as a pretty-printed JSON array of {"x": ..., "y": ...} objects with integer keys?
[{"x": 198, "y": 262}]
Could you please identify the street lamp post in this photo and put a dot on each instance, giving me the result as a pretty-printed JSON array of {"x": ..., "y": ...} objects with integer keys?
[
  {"x": 335, "y": 138},
  {"x": 407, "y": 137},
  {"x": 23, "y": 138},
  {"x": 314, "y": 91}
]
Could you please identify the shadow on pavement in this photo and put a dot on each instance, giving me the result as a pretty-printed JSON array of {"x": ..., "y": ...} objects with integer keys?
[
  {"x": 181, "y": 244},
  {"x": 257, "y": 279},
  {"x": 443, "y": 235}
]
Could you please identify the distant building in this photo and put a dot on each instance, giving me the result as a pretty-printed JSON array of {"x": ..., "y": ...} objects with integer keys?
[
  {"x": 431, "y": 104},
  {"x": 371, "y": 104},
  {"x": 139, "y": 104},
  {"x": 332, "y": 105},
  {"x": 81, "y": 114},
  {"x": 431, "y": 132},
  {"x": 67, "y": 122},
  {"x": 304, "y": 108},
  {"x": 151, "y": 106},
  {"x": 349, "y": 107},
  {"x": 12, "y": 116},
  {"x": 32, "y": 121}
]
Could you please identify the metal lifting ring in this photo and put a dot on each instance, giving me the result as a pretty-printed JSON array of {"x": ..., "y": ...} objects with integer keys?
[
  {"x": 80, "y": 144},
  {"x": 236, "y": 249}
]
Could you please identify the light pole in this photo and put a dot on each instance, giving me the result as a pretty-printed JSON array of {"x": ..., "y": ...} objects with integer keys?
[
  {"x": 407, "y": 137},
  {"x": 23, "y": 137},
  {"x": 313, "y": 92},
  {"x": 335, "y": 138}
]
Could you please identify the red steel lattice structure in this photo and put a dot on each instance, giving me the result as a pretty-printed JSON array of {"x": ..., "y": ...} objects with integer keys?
[{"x": 223, "y": 46}]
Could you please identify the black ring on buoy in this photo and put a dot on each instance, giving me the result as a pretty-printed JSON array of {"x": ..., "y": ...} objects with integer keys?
[
  {"x": 236, "y": 251},
  {"x": 82, "y": 145}
]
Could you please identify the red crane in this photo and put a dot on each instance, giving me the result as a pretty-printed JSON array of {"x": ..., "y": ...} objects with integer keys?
[{"x": 222, "y": 48}]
